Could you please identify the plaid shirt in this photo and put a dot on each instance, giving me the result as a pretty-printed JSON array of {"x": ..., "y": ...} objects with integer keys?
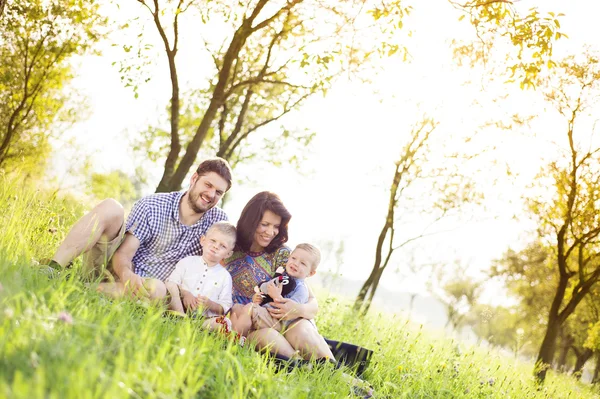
[{"x": 164, "y": 240}]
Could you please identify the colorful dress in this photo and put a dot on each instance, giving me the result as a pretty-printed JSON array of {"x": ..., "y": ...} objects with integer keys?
[{"x": 248, "y": 269}]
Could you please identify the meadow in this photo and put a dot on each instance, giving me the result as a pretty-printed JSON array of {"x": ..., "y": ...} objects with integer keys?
[{"x": 61, "y": 339}]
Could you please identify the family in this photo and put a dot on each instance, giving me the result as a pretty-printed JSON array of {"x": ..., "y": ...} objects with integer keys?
[{"x": 179, "y": 247}]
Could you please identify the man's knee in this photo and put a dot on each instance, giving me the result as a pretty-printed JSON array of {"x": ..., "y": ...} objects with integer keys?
[
  {"x": 111, "y": 215},
  {"x": 156, "y": 288}
]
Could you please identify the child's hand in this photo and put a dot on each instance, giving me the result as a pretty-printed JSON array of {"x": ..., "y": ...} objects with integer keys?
[
  {"x": 273, "y": 290},
  {"x": 257, "y": 298},
  {"x": 203, "y": 301},
  {"x": 190, "y": 302}
]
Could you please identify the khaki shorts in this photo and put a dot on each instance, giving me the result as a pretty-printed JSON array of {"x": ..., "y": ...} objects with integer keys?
[
  {"x": 96, "y": 261},
  {"x": 261, "y": 318}
]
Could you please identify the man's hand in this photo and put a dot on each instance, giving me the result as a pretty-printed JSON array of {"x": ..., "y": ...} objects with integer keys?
[
  {"x": 190, "y": 302},
  {"x": 274, "y": 291},
  {"x": 257, "y": 298},
  {"x": 134, "y": 284}
]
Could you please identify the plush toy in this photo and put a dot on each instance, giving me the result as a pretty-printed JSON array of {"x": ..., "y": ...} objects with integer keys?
[{"x": 280, "y": 279}]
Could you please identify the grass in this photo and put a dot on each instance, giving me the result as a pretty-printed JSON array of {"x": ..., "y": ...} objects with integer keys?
[{"x": 60, "y": 339}]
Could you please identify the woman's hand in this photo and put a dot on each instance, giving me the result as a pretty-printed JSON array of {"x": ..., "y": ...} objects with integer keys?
[{"x": 284, "y": 309}]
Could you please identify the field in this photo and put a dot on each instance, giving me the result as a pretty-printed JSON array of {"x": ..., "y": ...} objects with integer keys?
[{"x": 60, "y": 339}]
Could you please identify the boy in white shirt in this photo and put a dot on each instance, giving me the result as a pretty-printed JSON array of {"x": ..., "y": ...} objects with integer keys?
[{"x": 199, "y": 284}]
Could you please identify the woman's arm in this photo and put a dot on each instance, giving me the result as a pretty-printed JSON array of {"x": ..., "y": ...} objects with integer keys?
[{"x": 286, "y": 309}]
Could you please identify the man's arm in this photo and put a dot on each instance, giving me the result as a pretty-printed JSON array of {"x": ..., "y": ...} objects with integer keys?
[{"x": 123, "y": 268}]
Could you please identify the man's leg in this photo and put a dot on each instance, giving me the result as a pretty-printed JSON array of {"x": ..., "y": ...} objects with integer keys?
[
  {"x": 156, "y": 289},
  {"x": 104, "y": 221},
  {"x": 113, "y": 290}
]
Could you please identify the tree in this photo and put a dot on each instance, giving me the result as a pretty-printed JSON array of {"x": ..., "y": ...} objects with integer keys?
[
  {"x": 458, "y": 293},
  {"x": 497, "y": 22},
  {"x": 569, "y": 220},
  {"x": 115, "y": 184},
  {"x": 38, "y": 39},
  {"x": 530, "y": 278},
  {"x": 500, "y": 327},
  {"x": 446, "y": 191},
  {"x": 273, "y": 57},
  {"x": 257, "y": 79}
]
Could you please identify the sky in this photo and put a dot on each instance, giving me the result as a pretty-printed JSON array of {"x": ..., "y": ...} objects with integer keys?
[{"x": 341, "y": 194}]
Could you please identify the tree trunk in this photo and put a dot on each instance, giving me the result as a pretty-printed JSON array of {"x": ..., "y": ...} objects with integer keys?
[
  {"x": 6, "y": 143},
  {"x": 546, "y": 353},
  {"x": 582, "y": 358},
  {"x": 372, "y": 290},
  {"x": 219, "y": 93},
  {"x": 595, "y": 378},
  {"x": 362, "y": 294},
  {"x": 565, "y": 345},
  {"x": 173, "y": 156}
]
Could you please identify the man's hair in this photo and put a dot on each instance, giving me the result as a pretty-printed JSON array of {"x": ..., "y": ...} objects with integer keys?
[
  {"x": 314, "y": 251},
  {"x": 217, "y": 165},
  {"x": 253, "y": 213},
  {"x": 225, "y": 228}
]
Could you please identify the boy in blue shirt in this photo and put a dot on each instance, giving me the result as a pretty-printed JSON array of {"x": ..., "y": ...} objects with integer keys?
[{"x": 302, "y": 263}]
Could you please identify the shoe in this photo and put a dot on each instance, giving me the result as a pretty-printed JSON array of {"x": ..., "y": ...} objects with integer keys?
[
  {"x": 226, "y": 322},
  {"x": 359, "y": 387},
  {"x": 173, "y": 315},
  {"x": 50, "y": 268}
]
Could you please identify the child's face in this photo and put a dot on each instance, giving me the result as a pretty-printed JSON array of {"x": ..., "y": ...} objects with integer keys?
[
  {"x": 216, "y": 246},
  {"x": 300, "y": 264}
]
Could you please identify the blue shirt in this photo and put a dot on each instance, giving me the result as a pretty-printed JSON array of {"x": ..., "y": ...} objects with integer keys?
[
  {"x": 300, "y": 292},
  {"x": 164, "y": 240}
]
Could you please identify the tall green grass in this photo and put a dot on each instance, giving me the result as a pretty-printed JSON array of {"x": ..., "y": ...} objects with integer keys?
[{"x": 60, "y": 339}]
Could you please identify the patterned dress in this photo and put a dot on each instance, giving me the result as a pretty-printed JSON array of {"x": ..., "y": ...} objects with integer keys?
[{"x": 247, "y": 269}]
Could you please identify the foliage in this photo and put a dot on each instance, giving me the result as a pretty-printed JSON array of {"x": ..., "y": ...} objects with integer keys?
[
  {"x": 268, "y": 59},
  {"x": 502, "y": 327},
  {"x": 38, "y": 39},
  {"x": 115, "y": 184},
  {"x": 567, "y": 214},
  {"x": 422, "y": 193},
  {"x": 458, "y": 293},
  {"x": 531, "y": 278},
  {"x": 502, "y": 26},
  {"x": 59, "y": 338}
]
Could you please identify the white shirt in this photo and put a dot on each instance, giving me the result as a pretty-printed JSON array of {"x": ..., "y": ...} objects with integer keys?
[{"x": 195, "y": 276}]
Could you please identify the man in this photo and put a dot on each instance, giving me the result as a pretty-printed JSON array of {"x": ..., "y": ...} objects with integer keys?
[{"x": 160, "y": 230}]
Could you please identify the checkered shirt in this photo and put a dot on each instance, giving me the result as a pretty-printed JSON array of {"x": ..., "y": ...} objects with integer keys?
[{"x": 164, "y": 240}]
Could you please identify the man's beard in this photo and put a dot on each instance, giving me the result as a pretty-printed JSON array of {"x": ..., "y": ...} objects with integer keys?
[{"x": 194, "y": 206}]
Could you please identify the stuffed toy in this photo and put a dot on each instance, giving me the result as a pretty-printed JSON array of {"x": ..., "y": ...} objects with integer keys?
[{"x": 287, "y": 283}]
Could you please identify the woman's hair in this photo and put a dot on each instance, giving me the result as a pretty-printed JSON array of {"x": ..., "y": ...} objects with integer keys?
[{"x": 253, "y": 213}]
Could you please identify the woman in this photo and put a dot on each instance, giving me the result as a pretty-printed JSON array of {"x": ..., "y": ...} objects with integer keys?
[{"x": 262, "y": 231}]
